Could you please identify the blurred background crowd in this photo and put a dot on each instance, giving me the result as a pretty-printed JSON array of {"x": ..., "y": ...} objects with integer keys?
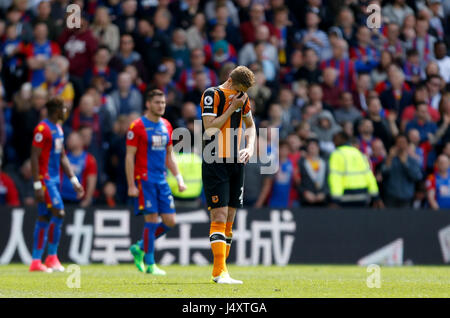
[{"x": 319, "y": 70}]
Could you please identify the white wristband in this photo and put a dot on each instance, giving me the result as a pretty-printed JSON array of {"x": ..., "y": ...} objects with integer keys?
[
  {"x": 37, "y": 185},
  {"x": 179, "y": 178},
  {"x": 74, "y": 180}
]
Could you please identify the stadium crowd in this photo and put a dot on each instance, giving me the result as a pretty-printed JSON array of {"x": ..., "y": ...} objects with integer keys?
[{"x": 319, "y": 70}]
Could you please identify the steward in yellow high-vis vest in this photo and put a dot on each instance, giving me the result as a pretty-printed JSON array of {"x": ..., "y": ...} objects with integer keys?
[
  {"x": 190, "y": 166},
  {"x": 350, "y": 178}
]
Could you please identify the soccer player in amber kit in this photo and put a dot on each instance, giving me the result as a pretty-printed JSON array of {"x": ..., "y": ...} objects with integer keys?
[
  {"x": 149, "y": 151},
  {"x": 47, "y": 154},
  {"x": 224, "y": 109}
]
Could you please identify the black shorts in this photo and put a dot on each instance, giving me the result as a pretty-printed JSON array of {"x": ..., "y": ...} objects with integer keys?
[{"x": 223, "y": 184}]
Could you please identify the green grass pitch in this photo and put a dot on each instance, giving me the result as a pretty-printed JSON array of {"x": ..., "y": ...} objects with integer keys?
[{"x": 298, "y": 281}]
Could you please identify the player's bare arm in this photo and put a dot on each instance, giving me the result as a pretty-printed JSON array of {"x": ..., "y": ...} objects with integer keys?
[
  {"x": 65, "y": 163},
  {"x": 250, "y": 137},
  {"x": 173, "y": 167},
  {"x": 129, "y": 171},
  {"x": 39, "y": 191},
  {"x": 213, "y": 123}
]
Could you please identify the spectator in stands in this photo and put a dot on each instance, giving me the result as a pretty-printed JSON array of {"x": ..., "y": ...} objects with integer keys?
[
  {"x": 346, "y": 79},
  {"x": 23, "y": 180},
  {"x": 443, "y": 60},
  {"x": 23, "y": 28},
  {"x": 365, "y": 56},
  {"x": 442, "y": 135},
  {"x": 310, "y": 70},
  {"x": 325, "y": 127},
  {"x": 162, "y": 20},
  {"x": 396, "y": 97},
  {"x": 276, "y": 189},
  {"x": 438, "y": 185},
  {"x": 8, "y": 192},
  {"x": 347, "y": 110},
  {"x": 84, "y": 167},
  {"x": 101, "y": 68},
  {"x": 14, "y": 66},
  {"x": 396, "y": 11},
  {"x": 346, "y": 25},
  {"x": 268, "y": 67},
  {"x": 151, "y": 45},
  {"x": 196, "y": 33},
  {"x": 385, "y": 128},
  {"x": 261, "y": 94},
  {"x": 420, "y": 96},
  {"x": 211, "y": 10},
  {"x": 365, "y": 136},
  {"x": 257, "y": 20},
  {"x": 361, "y": 93},
  {"x": 26, "y": 114},
  {"x": 219, "y": 51},
  {"x": 56, "y": 84},
  {"x": 247, "y": 55},
  {"x": 79, "y": 46},
  {"x": 392, "y": 43},
  {"x": 331, "y": 92},
  {"x": 127, "y": 21},
  {"x": 186, "y": 82},
  {"x": 200, "y": 85},
  {"x": 377, "y": 159},
  {"x": 412, "y": 67},
  {"x": 284, "y": 28},
  {"x": 400, "y": 174},
  {"x": 222, "y": 17},
  {"x": 44, "y": 14},
  {"x": 179, "y": 50},
  {"x": 416, "y": 148},
  {"x": 434, "y": 90},
  {"x": 423, "y": 42},
  {"x": 312, "y": 37},
  {"x": 422, "y": 122},
  {"x": 106, "y": 32},
  {"x": 39, "y": 53},
  {"x": 125, "y": 99},
  {"x": 313, "y": 188},
  {"x": 315, "y": 95},
  {"x": 115, "y": 163},
  {"x": 126, "y": 55},
  {"x": 379, "y": 74}
]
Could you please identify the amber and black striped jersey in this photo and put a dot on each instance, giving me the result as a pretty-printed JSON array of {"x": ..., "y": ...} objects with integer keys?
[{"x": 215, "y": 101}]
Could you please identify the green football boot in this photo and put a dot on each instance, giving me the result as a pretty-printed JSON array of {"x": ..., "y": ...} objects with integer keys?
[
  {"x": 138, "y": 255},
  {"x": 155, "y": 270}
]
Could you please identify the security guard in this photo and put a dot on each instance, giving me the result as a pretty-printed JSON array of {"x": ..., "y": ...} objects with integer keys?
[
  {"x": 351, "y": 181},
  {"x": 190, "y": 166}
]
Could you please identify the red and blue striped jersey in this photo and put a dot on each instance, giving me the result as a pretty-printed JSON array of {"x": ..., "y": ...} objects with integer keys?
[
  {"x": 346, "y": 79},
  {"x": 47, "y": 49},
  {"x": 50, "y": 138},
  {"x": 151, "y": 140}
]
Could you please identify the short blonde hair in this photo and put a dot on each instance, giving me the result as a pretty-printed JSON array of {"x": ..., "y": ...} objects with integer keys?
[{"x": 242, "y": 75}]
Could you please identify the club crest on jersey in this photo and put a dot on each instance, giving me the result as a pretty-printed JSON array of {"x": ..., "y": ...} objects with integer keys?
[
  {"x": 215, "y": 198},
  {"x": 38, "y": 137},
  {"x": 130, "y": 135}
]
